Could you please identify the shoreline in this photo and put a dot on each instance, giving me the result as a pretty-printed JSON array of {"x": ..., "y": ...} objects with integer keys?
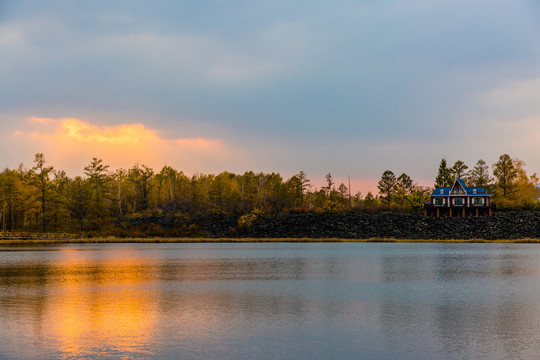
[{"x": 9, "y": 242}]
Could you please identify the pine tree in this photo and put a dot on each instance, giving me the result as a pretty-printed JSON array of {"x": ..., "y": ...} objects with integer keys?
[
  {"x": 506, "y": 174},
  {"x": 444, "y": 176},
  {"x": 303, "y": 184},
  {"x": 479, "y": 175},
  {"x": 458, "y": 171},
  {"x": 404, "y": 186},
  {"x": 387, "y": 187},
  {"x": 329, "y": 183}
]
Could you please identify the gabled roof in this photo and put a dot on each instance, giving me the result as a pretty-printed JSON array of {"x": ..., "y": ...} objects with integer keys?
[
  {"x": 461, "y": 182},
  {"x": 470, "y": 191},
  {"x": 458, "y": 183}
]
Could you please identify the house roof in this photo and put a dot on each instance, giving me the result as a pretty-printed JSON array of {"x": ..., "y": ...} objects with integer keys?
[{"x": 470, "y": 191}]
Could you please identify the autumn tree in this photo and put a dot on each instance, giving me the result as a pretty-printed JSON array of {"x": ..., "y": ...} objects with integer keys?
[
  {"x": 140, "y": 177},
  {"x": 79, "y": 199},
  {"x": 369, "y": 201},
  {"x": 119, "y": 189},
  {"x": 98, "y": 186},
  {"x": 59, "y": 200},
  {"x": 444, "y": 175},
  {"x": 387, "y": 187},
  {"x": 166, "y": 184},
  {"x": 526, "y": 193},
  {"x": 404, "y": 186},
  {"x": 505, "y": 172},
  {"x": 261, "y": 189},
  {"x": 418, "y": 197},
  {"x": 343, "y": 193},
  {"x": 200, "y": 193},
  {"x": 329, "y": 183},
  {"x": 223, "y": 193},
  {"x": 11, "y": 188},
  {"x": 343, "y": 190},
  {"x": 301, "y": 183},
  {"x": 246, "y": 187},
  {"x": 28, "y": 207},
  {"x": 43, "y": 183},
  {"x": 294, "y": 196},
  {"x": 277, "y": 199}
]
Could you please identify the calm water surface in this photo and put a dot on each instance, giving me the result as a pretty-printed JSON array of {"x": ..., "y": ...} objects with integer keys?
[{"x": 270, "y": 301}]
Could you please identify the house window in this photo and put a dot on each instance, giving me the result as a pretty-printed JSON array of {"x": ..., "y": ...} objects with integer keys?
[
  {"x": 474, "y": 191},
  {"x": 441, "y": 191},
  {"x": 439, "y": 202},
  {"x": 458, "y": 201},
  {"x": 478, "y": 201}
]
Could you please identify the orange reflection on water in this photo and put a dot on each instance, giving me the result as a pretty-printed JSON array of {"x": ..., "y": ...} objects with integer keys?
[{"x": 101, "y": 308}]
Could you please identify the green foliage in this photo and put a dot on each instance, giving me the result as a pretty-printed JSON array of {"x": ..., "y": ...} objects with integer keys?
[
  {"x": 98, "y": 190},
  {"x": 387, "y": 187},
  {"x": 506, "y": 174},
  {"x": 458, "y": 171},
  {"x": 245, "y": 222},
  {"x": 41, "y": 179},
  {"x": 444, "y": 176},
  {"x": 404, "y": 187},
  {"x": 479, "y": 175}
]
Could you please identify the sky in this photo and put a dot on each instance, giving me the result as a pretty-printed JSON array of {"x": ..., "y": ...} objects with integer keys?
[{"x": 351, "y": 88}]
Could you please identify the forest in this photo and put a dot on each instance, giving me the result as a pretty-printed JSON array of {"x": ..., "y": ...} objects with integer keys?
[{"x": 104, "y": 202}]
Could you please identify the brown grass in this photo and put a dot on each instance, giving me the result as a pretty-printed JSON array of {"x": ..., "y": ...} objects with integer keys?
[{"x": 112, "y": 240}]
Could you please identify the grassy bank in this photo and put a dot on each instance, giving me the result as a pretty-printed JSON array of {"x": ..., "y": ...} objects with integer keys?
[{"x": 110, "y": 240}]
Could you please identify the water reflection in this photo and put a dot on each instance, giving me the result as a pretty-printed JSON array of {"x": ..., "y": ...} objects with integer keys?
[
  {"x": 473, "y": 302},
  {"x": 380, "y": 301}
]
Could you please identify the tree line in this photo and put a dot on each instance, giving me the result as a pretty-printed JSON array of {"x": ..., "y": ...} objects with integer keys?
[{"x": 45, "y": 199}]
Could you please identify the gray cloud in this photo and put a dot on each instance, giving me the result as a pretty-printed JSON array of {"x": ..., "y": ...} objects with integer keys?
[{"x": 299, "y": 74}]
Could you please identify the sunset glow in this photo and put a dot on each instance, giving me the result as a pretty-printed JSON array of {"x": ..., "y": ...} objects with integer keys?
[
  {"x": 67, "y": 141},
  {"x": 124, "y": 325}
]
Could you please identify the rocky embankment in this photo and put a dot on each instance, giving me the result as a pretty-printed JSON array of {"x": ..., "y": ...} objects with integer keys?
[{"x": 502, "y": 225}]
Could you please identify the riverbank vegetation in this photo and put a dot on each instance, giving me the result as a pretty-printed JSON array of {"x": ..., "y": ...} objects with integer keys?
[
  {"x": 113, "y": 240},
  {"x": 142, "y": 202}
]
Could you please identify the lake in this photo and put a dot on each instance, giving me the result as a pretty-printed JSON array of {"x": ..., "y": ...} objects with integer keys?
[{"x": 270, "y": 301}]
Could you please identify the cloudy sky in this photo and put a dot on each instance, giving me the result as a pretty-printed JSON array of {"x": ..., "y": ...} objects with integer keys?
[{"x": 346, "y": 87}]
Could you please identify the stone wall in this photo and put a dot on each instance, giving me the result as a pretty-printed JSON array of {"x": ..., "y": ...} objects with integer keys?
[{"x": 502, "y": 225}]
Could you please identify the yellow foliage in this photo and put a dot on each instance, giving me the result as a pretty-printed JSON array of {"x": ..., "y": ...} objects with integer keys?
[{"x": 526, "y": 191}]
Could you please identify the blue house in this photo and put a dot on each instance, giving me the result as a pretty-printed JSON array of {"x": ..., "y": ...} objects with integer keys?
[{"x": 459, "y": 200}]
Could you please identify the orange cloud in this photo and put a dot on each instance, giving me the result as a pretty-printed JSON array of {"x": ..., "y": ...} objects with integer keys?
[
  {"x": 83, "y": 132},
  {"x": 71, "y": 143}
]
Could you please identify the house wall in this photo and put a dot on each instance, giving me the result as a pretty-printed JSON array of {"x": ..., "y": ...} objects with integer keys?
[{"x": 468, "y": 202}]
